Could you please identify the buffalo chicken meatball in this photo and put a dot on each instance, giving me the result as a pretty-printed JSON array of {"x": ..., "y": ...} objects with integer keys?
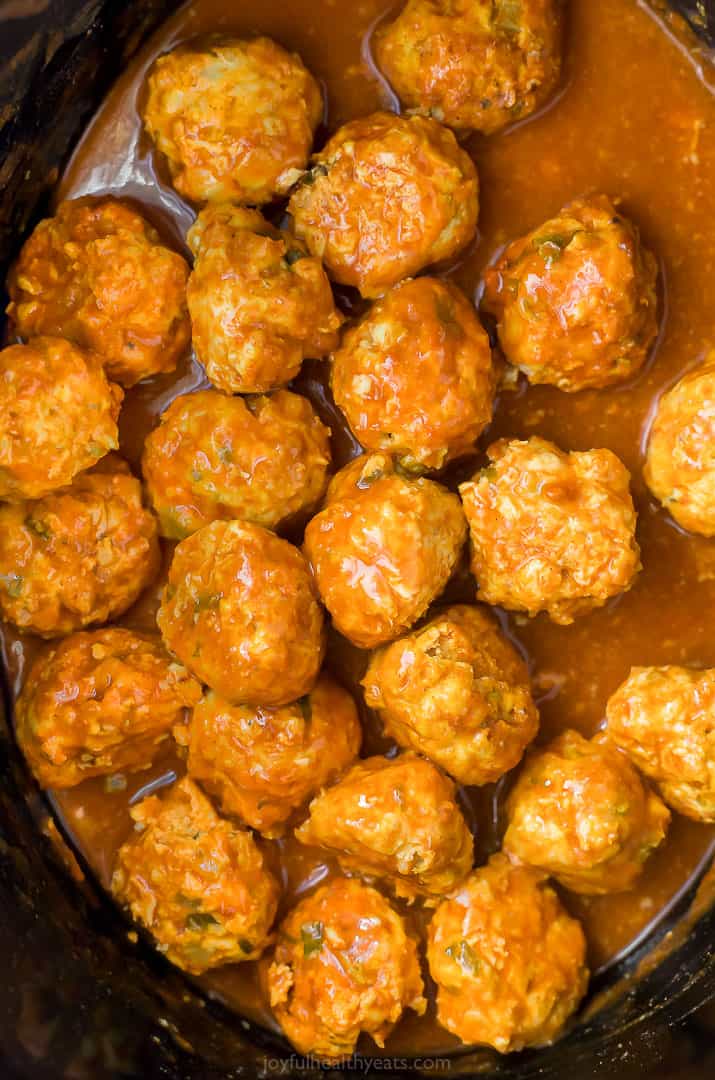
[
  {"x": 580, "y": 812},
  {"x": 240, "y": 611},
  {"x": 680, "y": 461},
  {"x": 387, "y": 196},
  {"x": 79, "y": 556},
  {"x": 395, "y": 818},
  {"x": 98, "y": 274},
  {"x": 214, "y": 457},
  {"x": 260, "y": 763},
  {"x": 508, "y": 961},
  {"x": 234, "y": 118},
  {"x": 197, "y": 883},
  {"x": 575, "y": 300},
  {"x": 259, "y": 302},
  {"x": 414, "y": 376},
  {"x": 475, "y": 65},
  {"x": 383, "y": 548},
  {"x": 664, "y": 719},
  {"x": 458, "y": 692},
  {"x": 100, "y": 703},
  {"x": 344, "y": 964},
  {"x": 58, "y": 415},
  {"x": 551, "y": 531}
]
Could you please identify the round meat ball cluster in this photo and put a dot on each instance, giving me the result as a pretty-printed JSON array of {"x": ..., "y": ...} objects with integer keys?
[
  {"x": 344, "y": 964},
  {"x": 97, "y": 274},
  {"x": 414, "y": 376},
  {"x": 458, "y": 692},
  {"x": 79, "y": 556},
  {"x": 383, "y": 548},
  {"x": 240, "y": 611},
  {"x": 551, "y": 531},
  {"x": 262, "y": 764},
  {"x": 387, "y": 196},
  {"x": 234, "y": 118},
  {"x": 575, "y": 300},
  {"x": 197, "y": 883},
  {"x": 395, "y": 818},
  {"x": 259, "y": 302},
  {"x": 664, "y": 720},
  {"x": 475, "y": 65},
  {"x": 100, "y": 703},
  {"x": 58, "y": 416},
  {"x": 508, "y": 961},
  {"x": 602, "y": 821},
  {"x": 214, "y": 457}
]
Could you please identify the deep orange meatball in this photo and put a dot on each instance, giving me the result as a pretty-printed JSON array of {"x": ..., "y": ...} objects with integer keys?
[
  {"x": 213, "y": 457},
  {"x": 414, "y": 376},
  {"x": 98, "y": 274},
  {"x": 100, "y": 703},
  {"x": 259, "y": 302},
  {"x": 240, "y": 611},
  {"x": 387, "y": 196},
  {"x": 575, "y": 300}
]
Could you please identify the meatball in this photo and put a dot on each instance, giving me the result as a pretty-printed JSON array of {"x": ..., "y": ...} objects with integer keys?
[
  {"x": 259, "y": 302},
  {"x": 395, "y": 818},
  {"x": 387, "y": 196},
  {"x": 580, "y": 812},
  {"x": 58, "y": 415},
  {"x": 680, "y": 460},
  {"x": 260, "y": 763},
  {"x": 458, "y": 692},
  {"x": 197, "y": 883},
  {"x": 414, "y": 376},
  {"x": 234, "y": 118},
  {"x": 100, "y": 703},
  {"x": 344, "y": 964},
  {"x": 98, "y": 274},
  {"x": 475, "y": 65},
  {"x": 79, "y": 556},
  {"x": 240, "y": 611},
  {"x": 508, "y": 961},
  {"x": 551, "y": 531},
  {"x": 664, "y": 719},
  {"x": 382, "y": 549},
  {"x": 575, "y": 300},
  {"x": 213, "y": 457}
]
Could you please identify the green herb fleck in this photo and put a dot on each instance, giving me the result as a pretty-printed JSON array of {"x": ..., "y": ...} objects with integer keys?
[
  {"x": 12, "y": 583},
  {"x": 311, "y": 934},
  {"x": 314, "y": 174},
  {"x": 293, "y": 256},
  {"x": 245, "y": 946},
  {"x": 207, "y": 602},
  {"x": 225, "y": 454},
  {"x": 40, "y": 528},
  {"x": 368, "y": 479},
  {"x": 506, "y": 15},
  {"x": 200, "y": 920},
  {"x": 552, "y": 245},
  {"x": 464, "y": 955}
]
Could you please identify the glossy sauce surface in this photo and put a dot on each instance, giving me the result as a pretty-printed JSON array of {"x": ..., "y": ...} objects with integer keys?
[{"x": 635, "y": 119}]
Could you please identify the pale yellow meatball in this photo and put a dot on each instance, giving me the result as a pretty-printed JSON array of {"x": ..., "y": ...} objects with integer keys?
[
  {"x": 575, "y": 300},
  {"x": 344, "y": 964},
  {"x": 259, "y": 302},
  {"x": 476, "y": 65},
  {"x": 240, "y": 611},
  {"x": 97, "y": 274},
  {"x": 100, "y": 703},
  {"x": 509, "y": 962},
  {"x": 580, "y": 812},
  {"x": 386, "y": 197},
  {"x": 234, "y": 118},
  {"x": 680, "y": 461},
  {"x": 214, "y": 457},
  {"x": 58, "y": 416},
  {"x": 382, "y": 549},
  {"x": 551, "y": 531},
  {"x": 262, "y": 764},
  {"x": 664, "y": 719},
  {"x": 395, "y": 818},
  {"x": 78, "y": 557},
  {"x": 197, "y": 883},
  {"x": 458, "y": 692},
  {"x": 414, "y": 377}
]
